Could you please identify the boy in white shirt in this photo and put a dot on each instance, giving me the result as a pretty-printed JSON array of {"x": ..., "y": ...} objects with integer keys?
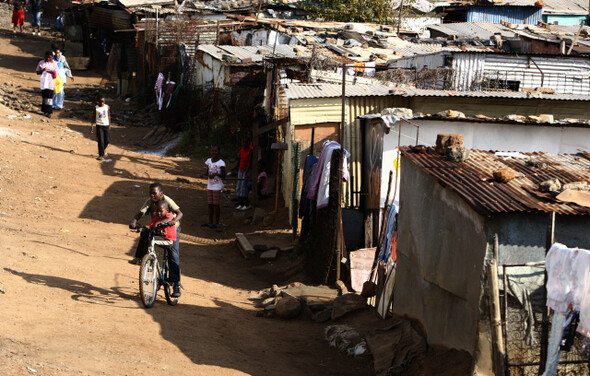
[
  {"x": 102, "y": 119},
  {"x": 215, "y": 172}
]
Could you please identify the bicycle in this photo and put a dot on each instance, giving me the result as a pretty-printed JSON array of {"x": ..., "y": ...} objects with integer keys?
[{"x": 152, "y": 273}]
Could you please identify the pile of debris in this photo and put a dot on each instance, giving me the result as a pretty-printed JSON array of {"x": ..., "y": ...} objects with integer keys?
[
  {"x": 318, "y": 303},
  {"x": 11, "y": 95}
]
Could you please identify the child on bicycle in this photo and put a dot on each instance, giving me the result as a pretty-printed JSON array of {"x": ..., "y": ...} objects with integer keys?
[
  {"x": 215, "y": 172},
  {"x": 156, "y": 193},
  {"x": 163, "y": 215}
]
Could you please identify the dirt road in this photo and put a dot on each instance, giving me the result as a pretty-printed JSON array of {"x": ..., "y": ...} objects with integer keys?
[{"x": 70, "y": 301}]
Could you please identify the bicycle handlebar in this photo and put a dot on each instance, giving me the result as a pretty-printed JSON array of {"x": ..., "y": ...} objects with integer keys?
[{"x": 139, "y": 226}]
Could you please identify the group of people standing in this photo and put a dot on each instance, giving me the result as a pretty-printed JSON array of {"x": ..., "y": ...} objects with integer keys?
[
  {"x": 54, "y": 71},
  {"x": 18, "y": 15}
]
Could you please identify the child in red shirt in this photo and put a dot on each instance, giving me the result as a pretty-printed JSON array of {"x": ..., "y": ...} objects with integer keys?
[
  {"x": 163, "y": 215},
  {"x": 243, "y": 186}
]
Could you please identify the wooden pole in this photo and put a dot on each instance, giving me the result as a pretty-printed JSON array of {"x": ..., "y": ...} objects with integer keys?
[
  {"x": 339, "y": 242},
  {"x": 576, "y": 38},
  {"x": 545, "y": 321},
  {"x": 506, "y": 359},
  {"x": 497, "y": 337}
]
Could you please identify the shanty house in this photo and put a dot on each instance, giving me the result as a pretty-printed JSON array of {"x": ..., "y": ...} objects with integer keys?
[
  {"x": 501, "y": 71},
  {"x": 449, "y": 215}
]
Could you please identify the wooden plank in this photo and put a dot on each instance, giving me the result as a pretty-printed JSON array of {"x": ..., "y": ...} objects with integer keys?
[
  {"x": 244, "y": 245},
  {"x": 271, "y": 126}
]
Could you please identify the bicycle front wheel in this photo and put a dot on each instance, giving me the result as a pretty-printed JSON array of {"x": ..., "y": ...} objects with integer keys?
[{"x": 148, "y": 280}]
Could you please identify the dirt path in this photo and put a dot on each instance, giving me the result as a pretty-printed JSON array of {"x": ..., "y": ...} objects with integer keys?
[{"x": 70, "y": 304}]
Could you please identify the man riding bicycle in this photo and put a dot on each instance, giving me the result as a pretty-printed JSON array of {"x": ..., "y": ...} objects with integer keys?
[{"x": 156, "y": 193}]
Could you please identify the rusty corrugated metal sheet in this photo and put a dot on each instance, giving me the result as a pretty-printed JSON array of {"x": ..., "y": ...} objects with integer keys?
[{"x": 473, "y": 180}]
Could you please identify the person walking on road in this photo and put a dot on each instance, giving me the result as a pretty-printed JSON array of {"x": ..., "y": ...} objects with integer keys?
[
  {"x": 36, "y": 15},
  {"x": 64, "y": 72},
  {"x": 47, "y": 68},
  {"x": 102, "y": 120}
]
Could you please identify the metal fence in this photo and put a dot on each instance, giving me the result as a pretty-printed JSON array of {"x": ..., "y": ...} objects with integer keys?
[{"x": 523, "y": 359}]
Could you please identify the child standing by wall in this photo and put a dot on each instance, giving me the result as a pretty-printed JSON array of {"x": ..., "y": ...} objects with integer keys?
[
  {"x": 215, "y": 172},
  {"x": 18, "y": 14},
  {"x": 102, "y": 119},
  {"x": 245, "y": 163}
]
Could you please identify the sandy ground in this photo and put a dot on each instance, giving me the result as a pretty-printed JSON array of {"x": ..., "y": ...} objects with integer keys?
[{"x": 69, "y": 303}]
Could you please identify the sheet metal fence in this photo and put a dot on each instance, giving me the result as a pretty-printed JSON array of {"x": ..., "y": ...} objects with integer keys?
[{"x": 522, "y": 359}]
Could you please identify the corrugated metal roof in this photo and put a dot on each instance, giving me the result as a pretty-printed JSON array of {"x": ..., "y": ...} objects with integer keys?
[
  {"x": 411, "y": 92},
  {"x": 473, "y": 180},
  {"x": 556, "y": 6},
  {"x": 432, "y": 48},
  {"x": 257, "y": 53},
  {"x": 144, "y": 3},
  {"x": 484, "y": 30},
  {"x": 496, "y": 14},
  {"x": 302, "y": 91}
]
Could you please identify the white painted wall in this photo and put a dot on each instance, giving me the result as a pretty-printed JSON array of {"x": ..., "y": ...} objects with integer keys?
[{"x": 485, "y": 136}]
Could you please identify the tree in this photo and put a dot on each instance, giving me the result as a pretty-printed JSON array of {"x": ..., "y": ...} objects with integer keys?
[{"x": 377, "y": 11}]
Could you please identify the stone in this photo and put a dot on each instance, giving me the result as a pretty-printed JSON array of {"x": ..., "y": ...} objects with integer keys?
[
  {"x": 451, "y": 114},
  {"x": 260, "y": 247},
  {"x": 399, "y": 112},
  {"x": 342, "y": 289},
  {"x": 288, "y": 308},
  {"x": 443, "y": 141},
  {"x": 578, "y": 185},
  {"x": 457, "y": 153},
  {"x": 533, "y": 119},
  {"x": 269, "y": 255},
  {"x": 268, "y": 220},
  {"x": 481, "y": 116},
  {"x": 258, "y": 214},
  {"x": 322, "y": 316},
  {"x": 535, "y": 163},
  {"x": 267, "y": 301},
  {"x": 546, "y": 118},
  {"x": 275, "y": 291},
  {"x": 518, "y": 118},
  {"x": 534, "y": 94},
  {"x": 504, "y": 175},
  {"x": 347, "y": 303},
  {"x": 545, "y": 90},
  {"x": 550, "y": 185}
]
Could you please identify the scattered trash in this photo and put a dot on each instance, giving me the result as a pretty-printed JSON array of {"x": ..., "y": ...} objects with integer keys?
[
  {"x": 3, "y": 213},
  {"x": 37, "y": 198},
  {"x": 44, "y": 157},
  {"x": 32, "y": 369},
  {"x": 128, "y": 99},
  {"x": 106, "y": 160},
  {"x": 64, "y": 230},
  {"x": 2, "y": 291},
  {"x": 11, "y": 116},
  {"x": 34, "y": 133},
  {"x": 27, "y": 116},
  {"x": 137, "y": 186}
]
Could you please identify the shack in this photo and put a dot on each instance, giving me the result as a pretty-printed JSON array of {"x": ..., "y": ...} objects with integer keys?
[{"x": 449, "y": 216}]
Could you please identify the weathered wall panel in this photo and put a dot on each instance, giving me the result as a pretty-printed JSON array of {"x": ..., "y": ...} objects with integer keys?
[{"x": 441, "y": 250}]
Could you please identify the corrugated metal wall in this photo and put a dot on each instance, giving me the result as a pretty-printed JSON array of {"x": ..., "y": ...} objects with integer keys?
[
  {"x": 323, "y": 110},
  {"x": 467, "y": 67},
  {"x": 512, "y": 14},
  {"x": 565, "y": 75}
]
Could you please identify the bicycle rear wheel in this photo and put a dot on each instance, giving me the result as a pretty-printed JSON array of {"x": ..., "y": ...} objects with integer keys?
[
  {"x": 148, "y": 280},
  {"x": 168, "y": 289}
]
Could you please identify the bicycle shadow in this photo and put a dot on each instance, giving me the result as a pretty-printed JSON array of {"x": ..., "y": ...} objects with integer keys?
[{"x": 81, "y": 291}]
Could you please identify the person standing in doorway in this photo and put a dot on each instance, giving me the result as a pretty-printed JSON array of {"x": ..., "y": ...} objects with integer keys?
[
  {"x": 244, "y": 168},
  {"x": 102, "y": 121},
  {"x": 36, "y": 15},
  {"x": 47, "y": 68}
]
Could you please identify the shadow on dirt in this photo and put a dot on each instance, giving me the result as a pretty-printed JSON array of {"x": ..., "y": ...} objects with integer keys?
[{"x": 81, "y": 291}]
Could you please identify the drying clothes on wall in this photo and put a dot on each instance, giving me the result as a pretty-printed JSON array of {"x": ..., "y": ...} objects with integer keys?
[
  {"x": 568, "y": 282},
  {"x": 568, "y": 287},
  {"x": 158, "y": 89},
  {"x": 388, "y": 239},
  {"x": 319, "y": 189},
  {"x": 305, "y": 204}
]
